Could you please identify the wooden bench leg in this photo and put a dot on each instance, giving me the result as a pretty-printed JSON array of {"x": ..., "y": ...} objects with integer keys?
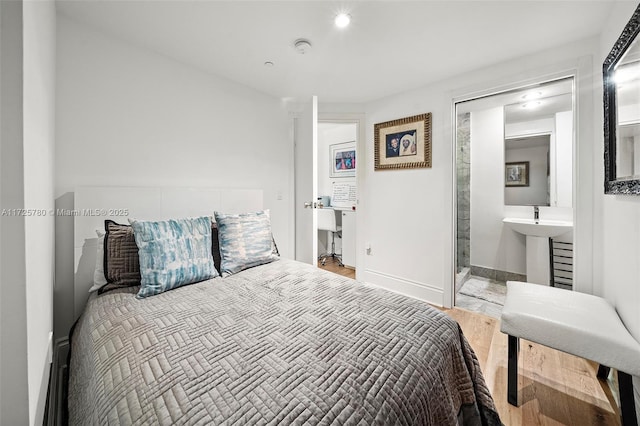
[
  {"x": 512, "y": 367},
  {"x": 627, "y": 403},
  {"x": 603, "y": 372}
]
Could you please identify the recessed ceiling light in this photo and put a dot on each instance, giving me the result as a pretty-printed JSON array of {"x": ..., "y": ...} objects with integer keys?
[
  {"x": 342, "y": 20},
  {"x": 268, "y": 64}
]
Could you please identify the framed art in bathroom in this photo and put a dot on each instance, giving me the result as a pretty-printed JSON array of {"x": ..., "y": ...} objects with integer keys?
[
  {"x": 516, "y": 174},
  {"x": 404, "y": 143},
  {"x": 343, "y": 159}
]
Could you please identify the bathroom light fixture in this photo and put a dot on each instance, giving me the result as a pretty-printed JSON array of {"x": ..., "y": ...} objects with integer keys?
[
  {"x": 302, "y": 45},
  {"x": 342, "y": 20},
  {"x": 532, "y": 95},
  {"x": 531, "y": 105}
]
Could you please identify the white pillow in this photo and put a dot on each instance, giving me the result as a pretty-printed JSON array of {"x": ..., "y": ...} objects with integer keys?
[{"x": 98, "y": 274}]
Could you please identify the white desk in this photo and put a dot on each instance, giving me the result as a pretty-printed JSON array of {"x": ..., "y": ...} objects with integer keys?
[
  {"x": 346, "y": 245},
  {"x": 349, "y": 237}
]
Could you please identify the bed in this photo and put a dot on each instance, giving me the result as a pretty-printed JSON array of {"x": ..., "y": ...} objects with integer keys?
[
  {"x": 281, "y": 343},
  {"x": 271, "y": 341}
]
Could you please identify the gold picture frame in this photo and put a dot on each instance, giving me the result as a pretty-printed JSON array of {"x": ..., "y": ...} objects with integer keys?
[{"x": 404, "y": 143}]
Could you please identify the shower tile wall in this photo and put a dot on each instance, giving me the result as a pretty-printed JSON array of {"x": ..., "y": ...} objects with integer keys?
[{"x": 463, "y": 162}]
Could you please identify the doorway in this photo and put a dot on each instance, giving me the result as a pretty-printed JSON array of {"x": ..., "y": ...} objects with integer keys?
[
  {"x": 514, "y": 157},
  {"x": 337, "y": 196}
]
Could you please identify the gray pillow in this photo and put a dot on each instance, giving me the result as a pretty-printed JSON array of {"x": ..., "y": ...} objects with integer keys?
[{"x": 245, "y": 241}]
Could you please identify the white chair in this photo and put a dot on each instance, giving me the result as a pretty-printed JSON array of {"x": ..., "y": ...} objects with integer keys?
[{"x": 327, "y": 222}]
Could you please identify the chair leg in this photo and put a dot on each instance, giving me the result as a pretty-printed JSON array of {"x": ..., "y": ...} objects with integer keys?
[
  {"x": 627, "y": 403},
  {"x": 333, "y": 250},
  {"x": 512, "y": 374},
  {"x": 603, "y": 372}
]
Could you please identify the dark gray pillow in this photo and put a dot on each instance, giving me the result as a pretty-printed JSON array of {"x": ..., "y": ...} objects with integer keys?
[
  {"x": 215, "y": 246},
  {"x": 121, "y": 261}
]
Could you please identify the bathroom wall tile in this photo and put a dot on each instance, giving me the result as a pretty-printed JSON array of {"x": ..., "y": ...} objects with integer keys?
[
  {"x": 461, "y": 277},
  {"x": 463, "y": 256},
  {"x": 510, "y": 276},
  {"x": 464, "y": 229},
  {"x": 479, "y": 271},
  {"x": 464, "y": 203},
  {"x": 463, "y": 197}
]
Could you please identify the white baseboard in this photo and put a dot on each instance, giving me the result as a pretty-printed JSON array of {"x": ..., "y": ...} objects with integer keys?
[
  {"x": 404, "y": 286},
  {"x": 57, "y": 382}
]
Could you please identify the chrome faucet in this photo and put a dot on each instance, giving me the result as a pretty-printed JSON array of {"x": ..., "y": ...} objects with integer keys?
[{"x": 536, "y": 213}]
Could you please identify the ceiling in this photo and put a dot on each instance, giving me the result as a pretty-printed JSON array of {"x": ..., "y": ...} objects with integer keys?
[{"x": 390, "y": 47}]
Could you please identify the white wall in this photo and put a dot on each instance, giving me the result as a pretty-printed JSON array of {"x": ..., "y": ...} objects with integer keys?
[
  {"x": 28, "y": 65},
  {"x": 563, "y": 163},
  {"x": 621, "y": 215},
  {"x": 617, "y": 238},
  {"x": 14, "y": 392},
  {"x": 130, "y": 117},
  {"x": 39, "y": 143},
  {"x": 409, "y": 213}
]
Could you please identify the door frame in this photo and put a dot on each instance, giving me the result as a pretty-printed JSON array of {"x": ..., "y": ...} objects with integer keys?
[
  {"x": 580, "y": 257},
  {"x": 359, "y": 120}
]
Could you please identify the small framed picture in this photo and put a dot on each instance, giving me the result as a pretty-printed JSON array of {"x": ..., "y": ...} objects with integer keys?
[
  {"x": 516, "y": 174},
  {"x": 343, "y": 159}
]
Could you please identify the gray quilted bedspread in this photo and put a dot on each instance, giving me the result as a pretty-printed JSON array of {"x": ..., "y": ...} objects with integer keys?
[{"x": 283, "y": 343}]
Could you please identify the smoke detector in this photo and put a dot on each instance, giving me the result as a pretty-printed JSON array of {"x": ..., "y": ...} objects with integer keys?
[{"x": 302, "y": 46}]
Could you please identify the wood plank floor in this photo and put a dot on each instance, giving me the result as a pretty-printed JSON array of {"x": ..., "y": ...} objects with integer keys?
[
  {"x": 332, "y": 265},
  {"x": 554, "y": 388}
]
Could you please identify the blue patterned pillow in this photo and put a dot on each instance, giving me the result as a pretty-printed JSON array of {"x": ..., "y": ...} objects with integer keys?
[
  {"x": 173, "y": 253},
  {"x": 245, "y": 241}
]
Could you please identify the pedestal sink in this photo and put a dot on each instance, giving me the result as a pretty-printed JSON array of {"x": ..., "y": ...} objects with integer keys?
[
  {"x": 539, "y": 228},
  {"x": 538, "y": 233}
]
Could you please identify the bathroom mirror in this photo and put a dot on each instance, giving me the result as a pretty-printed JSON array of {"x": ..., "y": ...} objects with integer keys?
[
  {"x": 527, "y": 180},
  {"x": 621, "y": 81},
  {"x": 538, "y": 145}
]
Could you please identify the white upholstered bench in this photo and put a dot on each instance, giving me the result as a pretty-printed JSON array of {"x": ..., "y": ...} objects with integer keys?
[{"x": 576, "y": 323}]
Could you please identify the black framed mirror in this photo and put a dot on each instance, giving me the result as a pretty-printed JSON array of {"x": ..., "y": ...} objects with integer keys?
[{"x": 621, "y": 81}]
